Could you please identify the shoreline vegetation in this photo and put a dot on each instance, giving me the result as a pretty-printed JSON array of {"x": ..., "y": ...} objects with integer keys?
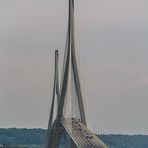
[{"x": 35, "y": 138}]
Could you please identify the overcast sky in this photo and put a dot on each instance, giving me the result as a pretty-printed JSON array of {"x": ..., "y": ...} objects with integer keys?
[{"x": 112, "y": 42}]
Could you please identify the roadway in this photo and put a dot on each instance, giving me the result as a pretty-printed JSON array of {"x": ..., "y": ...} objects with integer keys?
[{"x": 81, "y": 135}]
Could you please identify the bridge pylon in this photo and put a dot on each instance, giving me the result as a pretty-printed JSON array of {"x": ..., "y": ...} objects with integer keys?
[{"x": 69, "y": 127}]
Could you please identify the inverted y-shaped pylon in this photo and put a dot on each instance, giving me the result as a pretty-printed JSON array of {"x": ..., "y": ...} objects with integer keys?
[{"x": 69, "y": 113}]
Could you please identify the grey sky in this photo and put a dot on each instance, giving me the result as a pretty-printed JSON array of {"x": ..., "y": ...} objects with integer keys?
[{"x": 111, "y": 36}]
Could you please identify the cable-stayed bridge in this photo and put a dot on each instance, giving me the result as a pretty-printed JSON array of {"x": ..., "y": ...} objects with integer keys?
[{"x": 67, "y": 114}]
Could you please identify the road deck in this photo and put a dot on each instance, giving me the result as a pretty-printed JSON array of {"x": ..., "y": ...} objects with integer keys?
[{"x": 81, "y": 135}]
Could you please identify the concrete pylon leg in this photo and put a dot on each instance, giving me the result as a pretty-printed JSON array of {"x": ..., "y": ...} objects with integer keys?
[
  {"x": 69, "y": 64},
  {"x": 73, "y": 144}
]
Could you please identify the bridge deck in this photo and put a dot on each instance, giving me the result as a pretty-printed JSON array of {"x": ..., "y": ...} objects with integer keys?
[{"x": 82, "y": 136}]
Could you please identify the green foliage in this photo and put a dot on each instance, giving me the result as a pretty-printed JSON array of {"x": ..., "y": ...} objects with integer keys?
[
  {"x": 15, "y": 136},
  {"x": 125, "y": 141},
  {"x": 35, "y": 138}
]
